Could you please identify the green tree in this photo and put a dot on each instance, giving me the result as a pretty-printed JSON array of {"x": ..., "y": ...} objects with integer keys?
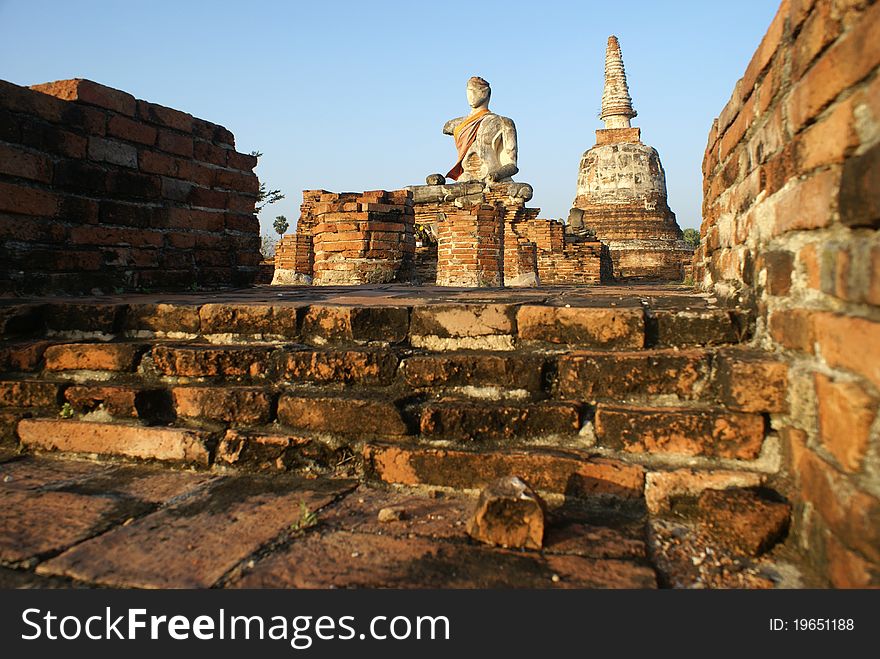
[
  {"x": 692, "y": 238},
  {"x": 280, "y": 225},
  {"x": 265, "y": 196}
]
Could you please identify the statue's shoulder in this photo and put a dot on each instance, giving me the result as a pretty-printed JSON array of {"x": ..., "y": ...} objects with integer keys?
[
  {"x": 497, "y": 120},
  {"x": 451, "y": 125}
]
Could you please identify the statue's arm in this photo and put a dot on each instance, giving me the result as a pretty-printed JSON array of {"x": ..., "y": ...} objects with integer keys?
[
  {"x": 508, "y": 152},
  {"x": 450, "y": 125}
]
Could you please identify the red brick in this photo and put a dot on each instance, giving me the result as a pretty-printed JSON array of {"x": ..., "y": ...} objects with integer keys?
[
  {"x": 847, "y": 61},
  {"x": 682, "y": 431},
  {"x": 242, "y": 161},
  {"x": 846, "y": 412},
  {"x": 241, "y": 203},
  {"x": 852, "y": 515},
  {"x": 859, "y": 194},
  {"x": 28, "y": 393},
  {"x": 873, "y": 293},
  {"x": 134, "y": 184},
  {"x": 30, "y": 521},
  {"x": 176, "y": 143},
  {"x": 92, "y": 356},
  {"x": 175, "y": 444},
  {"x": 478, "y": 421},
  {"x": 793, "y": 328},
  {"x": 273, "y": 451},
  {"x": 847, "y": 569},
  {"x": 348, "y": 416},
  {"x": 849, "y": 342},
  {"x": 131, "y": 130},
  {"x": 742, "y": 520},
  {"x": 154, "y": 162},
  {"x": 820, "y": 29},
  {"x": 231, "y": 404},
  {"x": 117, "y": 401},
  {"x": 25, "y": 356},
  {"x": 24, "y": 164},
  {"x": 53, "y": 140},
  {"x": 201, "y": 541},
  {"x": 163, "y": 116},
  {"x": 751, "y": 381},
  {"x": 766, "y": 50},
  {"x": 27, "y": 201},
  {"x": 86, "y": 91},
  {"x": 341, "y": 366},
  {"x": 208, "y": 152},
  {"x": 193, "y": 360},
  {"x": 206, "y": 198},
  {"x": 663, "y": 487},
  {"x": 591, "y": 326},
  {"x": 569, "y": 472},
  {"x": 99, "y": 235}
]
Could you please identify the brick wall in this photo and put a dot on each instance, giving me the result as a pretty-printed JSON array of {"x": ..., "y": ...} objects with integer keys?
[
  {"x": 791, "y": 215},
  {"x": 99, "y": 190}
]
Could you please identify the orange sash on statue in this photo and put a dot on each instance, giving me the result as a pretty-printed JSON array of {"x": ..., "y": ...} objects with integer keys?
[{"x": 465, "y": 134}]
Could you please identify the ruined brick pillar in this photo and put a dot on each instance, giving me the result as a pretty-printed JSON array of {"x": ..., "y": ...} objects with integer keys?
[
  {"x": 470, "y": 248},
  {"x": 364, "y": 238}
]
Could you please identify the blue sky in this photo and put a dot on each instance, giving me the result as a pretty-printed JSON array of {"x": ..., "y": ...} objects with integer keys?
[{"x": 351, "y": 96}]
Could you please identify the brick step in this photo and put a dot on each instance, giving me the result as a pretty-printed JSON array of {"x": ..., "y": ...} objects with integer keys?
[
  {"x": 737, "y": 377},
  {"x": 570, "y": 472},
  {"x": 597, "y": 325},
  {"x": 686, "y": 431}
]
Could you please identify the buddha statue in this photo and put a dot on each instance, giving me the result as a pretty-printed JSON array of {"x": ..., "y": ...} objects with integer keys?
[{"x": 486, "y": 142}]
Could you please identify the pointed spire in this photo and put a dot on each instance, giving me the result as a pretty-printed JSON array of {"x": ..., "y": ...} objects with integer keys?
[{"x": 617, "y": 107}]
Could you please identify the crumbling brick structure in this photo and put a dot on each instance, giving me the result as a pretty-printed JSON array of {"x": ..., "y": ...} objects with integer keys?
[
  {"x": 791, "y": 231},
  {"x": 349, "y": 238},
  {"x": 99, "y": 190},
  {"x": 470, "y": 248}
]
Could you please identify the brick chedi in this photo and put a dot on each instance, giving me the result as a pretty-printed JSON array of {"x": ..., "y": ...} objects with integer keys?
[{"x": 621, "y": 190}]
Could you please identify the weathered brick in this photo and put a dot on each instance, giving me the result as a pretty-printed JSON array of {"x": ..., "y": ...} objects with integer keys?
[
  {"x": 589, "y": 326},
  {"x": 92, "y": 356},
  {"x": 743, "y": 520},
  {"x": 848, "y": 60},
  {"x": 202, "y": 540},
  {"x": 231, "y": 404},
  {"x": 478, "y": 421},
  {"x": 751, "y": 381},
  {"x": 846, "y": 412},
  {"x": 682, "y": 431},
  {"x": 167, "y": 318},
  {"x": 117, "y": 401},
  {"x": 176, "y": 143},
  {"x": 131, "y": 130},
  {"x": 852, "y": 515},
  {"x": 474, "y": 370},
  {"x": 680, "y": 328},
  {"x": 597, "y": 375},
  {"x": 322, "y": 324},
  {"x": 849, "y": 342},
  {"x": 793, "y": 328},
  {"x": 347, "y": 416},
  {"x": 859, "y": 194},
  {"x": 256, "y": 319},
  {"x": 28, "y": 393},
  {"x": 663, "y": 487},
  {"x": 341, "y": 366},
  {"x": 113, "y": 152},
  {"x": 174, "y": 444},
  {"x": 163, "y": 116},
  {"x": 24, "y": 356},
  {"x": 569, "y": 472},
  {"x": 86, "y": 91},
  {"x": 273, "y": 451},
  {"x": 15, "y": 161},
  {"x": 205, "y": 360},
  {"x": 27, "y": 201}
]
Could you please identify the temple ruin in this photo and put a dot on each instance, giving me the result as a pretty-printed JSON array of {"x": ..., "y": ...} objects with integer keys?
[{"x": 621, "y": 190}]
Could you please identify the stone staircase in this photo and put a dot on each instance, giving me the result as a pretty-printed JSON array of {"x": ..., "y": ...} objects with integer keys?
[{"x": 639, "y": 393}]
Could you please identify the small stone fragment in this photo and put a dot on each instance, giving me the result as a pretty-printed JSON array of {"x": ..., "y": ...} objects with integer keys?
[
  {"x": 390, "y": 515},
  {"x": 508, "y": 514},
  {"x": 743, "y": 520}
]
